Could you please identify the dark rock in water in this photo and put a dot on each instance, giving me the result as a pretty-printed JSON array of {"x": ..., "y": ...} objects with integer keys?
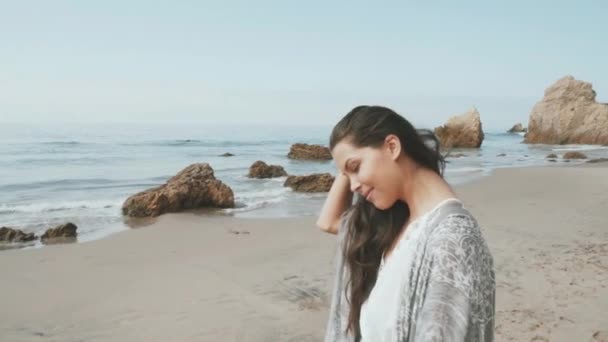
[
  {"x": 598, "y": 160},
  {"x": 227, "y": 155},
  {"x": 259, "y": 169},
  {"x": 552, "y": 160},
  {"x": 574, "y": 155},
  {"x": 517, "y": 128},
  {"x": 461, "y": 131},
  {"x": 552, "y": 155},
  {"x": 501, "y": 155},
  {"x": 311, "y": 183},
  {"x": 60, "y": 234},
  {"x": 15, "y": 235},
  {"x": 309, "y": 152},
  {"x": 194, "y": 187}
]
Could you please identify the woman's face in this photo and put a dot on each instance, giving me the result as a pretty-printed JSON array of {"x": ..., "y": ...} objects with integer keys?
[{"x": 373, "y": 172}]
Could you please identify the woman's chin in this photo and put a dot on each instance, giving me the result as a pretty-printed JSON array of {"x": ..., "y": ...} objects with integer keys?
[{"x": 380, "y": 206}]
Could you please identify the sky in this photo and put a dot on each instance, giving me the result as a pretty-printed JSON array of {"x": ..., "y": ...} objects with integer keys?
[{"x": 291, "y": 62}]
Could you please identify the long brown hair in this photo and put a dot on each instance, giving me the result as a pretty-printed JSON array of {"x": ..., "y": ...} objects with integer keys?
[{"x": 372, "y": 231}]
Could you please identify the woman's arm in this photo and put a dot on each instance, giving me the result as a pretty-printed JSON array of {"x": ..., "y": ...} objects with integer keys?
[{"x": 338, "y": 200}]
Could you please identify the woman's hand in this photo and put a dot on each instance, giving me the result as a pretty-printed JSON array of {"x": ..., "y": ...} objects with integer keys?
[{"x": 338, "y": 200}]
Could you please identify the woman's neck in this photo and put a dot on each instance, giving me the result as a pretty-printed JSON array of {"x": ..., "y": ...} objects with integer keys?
[{"x": 423, "y": 191}]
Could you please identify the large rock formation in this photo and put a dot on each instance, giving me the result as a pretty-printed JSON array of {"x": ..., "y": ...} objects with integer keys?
[
  {"x": 15, "y": 235},
  {"x": 517, "y": 128},
  {"x": 192, "y": 188},
  {"x": 259, "y": 169},
  {"x": 568, "y": 114},
  {"x": 60, "y": 234},
  {"x": 319, "y": 182},
  {"x": 309, "y": 152},
  {"x": 461, "y": 131}
]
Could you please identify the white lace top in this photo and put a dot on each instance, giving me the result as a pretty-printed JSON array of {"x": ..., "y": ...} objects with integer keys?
[{"x": 437, "y": 284}]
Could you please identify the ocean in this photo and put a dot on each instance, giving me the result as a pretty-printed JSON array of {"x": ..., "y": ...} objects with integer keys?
[{"x": 55, "y": 174}]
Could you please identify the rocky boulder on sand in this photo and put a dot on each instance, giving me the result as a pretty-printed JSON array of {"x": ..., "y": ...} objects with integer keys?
[
  {"x": 192, "y": 188},
  {"x": 574, "y": 155},
  {"x": 259, "y": 169},
  {"x": 319, "y": 182},
  {"x": 309, "y": 152},
  {"x": 461, "y": 131},
  {"x": 568, "y": 114},
  {"x": 15, "y": 235},
  {"x": 62, "y": 233}
]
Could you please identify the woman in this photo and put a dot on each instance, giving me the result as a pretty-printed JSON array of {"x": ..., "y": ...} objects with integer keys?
[{"x": 412, "y": 263}]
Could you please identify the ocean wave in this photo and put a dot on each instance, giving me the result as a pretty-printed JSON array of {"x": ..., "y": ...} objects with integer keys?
[
  {"x": 243, "y": 206},
  {"x": 60, "y": 183},
  {"x": 207, "y": 143},
  {"x": 62, "y": 143},
  {"x": 566, "y": 148},
  {"x": 466, "y": 169},
  {"x": 59, "y": 206}
]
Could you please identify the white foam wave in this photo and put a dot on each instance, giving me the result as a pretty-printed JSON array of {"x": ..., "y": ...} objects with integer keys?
[
  {"x": 465, "y": 169},
  {"x": 58, "y": 206},
  {"x": 566, "y": 148}
]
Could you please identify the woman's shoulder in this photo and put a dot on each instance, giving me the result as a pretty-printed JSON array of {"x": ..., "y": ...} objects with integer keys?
[{"x": 457, "y": 228}]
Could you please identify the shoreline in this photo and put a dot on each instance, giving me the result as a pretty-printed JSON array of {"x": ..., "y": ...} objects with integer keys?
[
  {"x": 190, "y": 277},
  {"x": 292, "y": 207}
]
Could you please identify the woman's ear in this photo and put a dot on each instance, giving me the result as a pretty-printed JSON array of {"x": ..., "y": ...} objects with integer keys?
[{"x": 393, "y": 145}]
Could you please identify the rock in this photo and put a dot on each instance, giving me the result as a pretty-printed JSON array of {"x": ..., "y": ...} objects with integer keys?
[
  {"x": 552, "y": 160},
  {"x": 501, "y": 155},
  {"x": 552, "y": 155},
  {"x": 226, "y": 155},
  {"x": 15, "y": 235},
  {"x": 237, "y": 232},
  {"x": 568, "y": 114},
  {"x": 192, "y": 188},
  {"x": 309, "y": 152},
  {"x": 517, "y": 128},
  {"x": 574, "y": 155},
  {"x": 461, "y": 131},
  {"x": 319, "y": 182},
  {"x": 259, "y": 169},
  {"x": 600, "y": 336},
  {"x": 598, "y": 160},
  {"x": 60, "y": 234}
]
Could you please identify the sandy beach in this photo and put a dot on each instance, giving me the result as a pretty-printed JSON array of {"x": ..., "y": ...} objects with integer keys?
[{"x": 190, "y": 277}]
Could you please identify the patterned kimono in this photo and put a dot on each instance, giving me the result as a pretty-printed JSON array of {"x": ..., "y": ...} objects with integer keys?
[{"x": 448, "y": 292}]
